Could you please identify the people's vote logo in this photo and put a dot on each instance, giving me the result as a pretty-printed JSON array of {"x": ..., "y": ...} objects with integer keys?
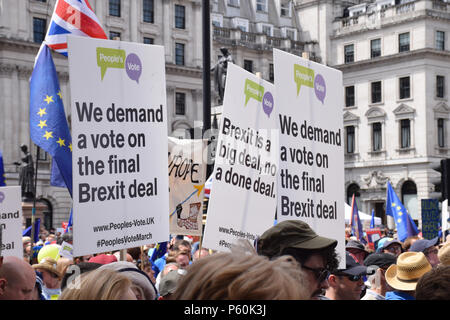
[
  {"x": 253, "y": 90},
  {"x": 117, "y": 58},
  {"x": 304, "y": 76}
]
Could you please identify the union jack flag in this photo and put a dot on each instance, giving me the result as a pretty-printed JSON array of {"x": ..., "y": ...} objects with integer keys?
[{"x": 72, "y": 17}]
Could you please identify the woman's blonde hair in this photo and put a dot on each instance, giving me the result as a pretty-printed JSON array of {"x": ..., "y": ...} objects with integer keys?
[
  {"x": 242, "y": 275},
  {"x": 98, "y": 285}
]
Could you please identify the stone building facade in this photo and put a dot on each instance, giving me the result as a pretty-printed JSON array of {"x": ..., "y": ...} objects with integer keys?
[{"x": 249, "y": 29}]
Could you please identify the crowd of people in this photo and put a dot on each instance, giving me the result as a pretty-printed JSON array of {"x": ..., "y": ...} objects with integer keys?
[{"x": 289, "y": 261}]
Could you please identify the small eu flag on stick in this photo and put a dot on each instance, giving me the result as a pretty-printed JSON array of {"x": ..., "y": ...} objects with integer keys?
[{"x": 403, "y": 221}]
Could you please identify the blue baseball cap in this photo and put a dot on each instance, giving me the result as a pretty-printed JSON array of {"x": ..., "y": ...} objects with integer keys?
[
  {"x": 381, "y": 243},
  {"x": 422, "y": 244}
]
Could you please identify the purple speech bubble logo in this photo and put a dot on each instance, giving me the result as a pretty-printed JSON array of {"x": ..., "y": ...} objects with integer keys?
[
  {"x": 2, "y": 197},
  {"x": 133, "y": 66},
  {"x": 320, "y": 87},
  {"x": 267, "y": 103}
]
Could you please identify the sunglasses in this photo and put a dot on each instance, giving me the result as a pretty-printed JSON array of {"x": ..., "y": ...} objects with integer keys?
[
  {"x": 320, "y": 274},
  {"x": 350, "y": 277}
]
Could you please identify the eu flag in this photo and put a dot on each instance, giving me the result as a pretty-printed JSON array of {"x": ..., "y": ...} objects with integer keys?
[
  {"x": 2, "y": 172},
  {"x": 48, "y": 124},
  {"x": 372, "y": 221},
  {"x": 70, "y": 224},
  {"x": 160, "y": 250},
  {"x": 355, "y": 223},
  {"x": 403, "y": 221},
  {"x": 37, "y": 227}
]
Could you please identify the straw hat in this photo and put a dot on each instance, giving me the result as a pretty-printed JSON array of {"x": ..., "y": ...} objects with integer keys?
[
  {"x": 49, "y": 265},
  {"x": 444, "y": 254},
  {"x": 408, "y": 270}
]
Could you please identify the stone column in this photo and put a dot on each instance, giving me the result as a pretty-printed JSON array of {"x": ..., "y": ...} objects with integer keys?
[
  {"x": 167, "y": 33},
  {"x": 10, "y": 151},
  {"x": 24, "y": 74},
  {"x": 135, "y": 18}
]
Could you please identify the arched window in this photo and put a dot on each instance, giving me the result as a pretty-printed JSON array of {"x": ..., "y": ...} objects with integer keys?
[
  {"x": 48, "y": 214},
  {"x": 353, "y": 189},
  {"x": 409, "y": 199}
]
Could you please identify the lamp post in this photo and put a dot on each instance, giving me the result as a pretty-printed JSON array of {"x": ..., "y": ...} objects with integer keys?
[{"x": 206, "y": 35}]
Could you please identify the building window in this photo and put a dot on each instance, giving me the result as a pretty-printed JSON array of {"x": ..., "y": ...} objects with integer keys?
[
  {"x": 248, "y": 65},
  {"x": 350, "y": 133},
  {"x": 350, "y": 96},
  {"x": 403, "y": 42},
  {"x": 148, "y": 40},
  {"x": 440, "y": 86},
  {"x": 267, "y": 30},
  {"x": 114, "y": 8},
  {"x": 180, "y": 103},
  {"x": 271, "y": 73},
  {"x": 441, "y": 133},
  {"x": 405, "y": 88},
  {"x": 290, "y": 34},
  {"x": 409, "y": 199},
  {"x": 405, "y": 133},
  {"x": 261, "y": 5},
  {"x": 39, "y": 29},
  {"x": 242, "y": 28},
  {"x": 440, "y": 40},
  {"x": 349, "y": 53},
  {"x": 285, "y": 8},
  {"x": 114, "y": 35},
  {"x": 376, "y": 136},
  {"x": 375, "y": 48},
  {"x": 376, "y": 91},
  {"x": 180, "y": 17},
  {"x": 43, "y": 155},
  {"x": 179, "y": 54},
  {"x": 233, "y": 3},
  {"x": 148, "y": 11}
]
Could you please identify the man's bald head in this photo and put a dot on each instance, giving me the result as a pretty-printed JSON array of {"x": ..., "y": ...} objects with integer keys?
[{"x": 17, "y": 279}]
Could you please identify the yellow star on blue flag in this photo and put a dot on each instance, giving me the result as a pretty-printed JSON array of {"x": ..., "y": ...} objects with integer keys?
[
  {"x": 47, "y": 118},
  {"x": 403, "y": 221}
]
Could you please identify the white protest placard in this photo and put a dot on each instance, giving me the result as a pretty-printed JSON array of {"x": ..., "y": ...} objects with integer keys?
[
  {"x": 11, "y": 221},
  {"x": 187, "y": 172},
  {"x": 311, "y": 171},
  {"x": 119, "y": 134},
  {"x": 66, "y": 250},
  {"x": 242, "y": 202}
]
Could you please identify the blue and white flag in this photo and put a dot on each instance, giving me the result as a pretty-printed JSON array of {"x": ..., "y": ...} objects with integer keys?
[
  {"x": 403, "y": 221},
  {"x": 48, "y": 125}
]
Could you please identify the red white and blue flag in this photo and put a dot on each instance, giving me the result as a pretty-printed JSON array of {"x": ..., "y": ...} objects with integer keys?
[{"x": 72, "y": 17}]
